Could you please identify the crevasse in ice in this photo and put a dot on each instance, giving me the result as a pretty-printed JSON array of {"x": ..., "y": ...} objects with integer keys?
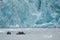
[{"x": 30, "y": 13}]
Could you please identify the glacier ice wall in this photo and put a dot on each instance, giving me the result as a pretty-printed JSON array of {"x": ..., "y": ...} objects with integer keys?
[{"x": 30, "y": 13}]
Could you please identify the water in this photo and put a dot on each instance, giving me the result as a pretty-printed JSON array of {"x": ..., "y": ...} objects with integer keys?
[{"x": 31, "y": 34}]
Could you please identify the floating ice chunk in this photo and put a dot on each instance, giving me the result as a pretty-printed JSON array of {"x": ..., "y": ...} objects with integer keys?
[
  {"x": 47, "y": 36},
  {"x": 2, "y": 31}
]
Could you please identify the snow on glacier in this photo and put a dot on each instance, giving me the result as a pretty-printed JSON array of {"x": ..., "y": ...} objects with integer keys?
[{"x": 30, "y": 13}]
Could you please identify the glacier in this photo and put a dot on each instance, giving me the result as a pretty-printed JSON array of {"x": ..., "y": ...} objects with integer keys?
[{"x": 30, "y": 13}]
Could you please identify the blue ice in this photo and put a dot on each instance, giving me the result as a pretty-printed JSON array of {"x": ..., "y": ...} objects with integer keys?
[{"x": 30, "y": 13}]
